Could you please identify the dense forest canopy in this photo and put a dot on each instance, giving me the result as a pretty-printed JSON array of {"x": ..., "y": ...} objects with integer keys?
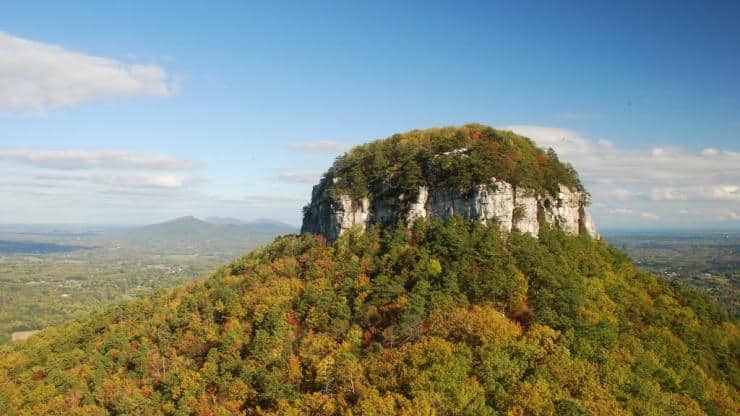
[
  {"x": 450, "y": 157},
  {"x": 444, "y": 318}
]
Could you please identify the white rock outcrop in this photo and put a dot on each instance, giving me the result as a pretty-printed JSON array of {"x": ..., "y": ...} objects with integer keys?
[
  {"x": 332, "y": 218},
  {"x": 485, "y": 202},
  {"x": 418, "y": 209},
  {"x": 525, "y": 218},
  {"x": 495, "y": 201},
  {"x": 567, "y": 209},
  {"x": 510, "y": 207},
  {"x": 347, "y": 215}
]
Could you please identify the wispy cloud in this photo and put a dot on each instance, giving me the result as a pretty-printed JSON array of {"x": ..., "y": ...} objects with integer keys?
[
  {"x": 319, "y": 146},
  {"x": 645, "y": 215},
  {"x": 97, "y": 172},
  {"x": 94, "y": 159},
  {"x": 605, "y": 163},
  {"x": 122, "y": 181},
  {"x": 696, "y": 193},
  {"x": 617, "y": 194},
  {"x": 564, "y": 141},
  {"x": 605, "y": 144},
  {"x": 37, "y": 76},
  {"x": 729, "y": 216}
]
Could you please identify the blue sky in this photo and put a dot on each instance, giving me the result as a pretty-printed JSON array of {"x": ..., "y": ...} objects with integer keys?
[{"x": 136, "y": 112}]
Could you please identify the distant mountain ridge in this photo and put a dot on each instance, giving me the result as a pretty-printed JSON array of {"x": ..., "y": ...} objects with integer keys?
[
  {"x": 213, "y": 228},
  {"x": 224, "y": 220}
]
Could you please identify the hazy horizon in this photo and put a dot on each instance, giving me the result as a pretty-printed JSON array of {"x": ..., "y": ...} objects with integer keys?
[
  {"x": 135, "y": 224},
  {"x": 722, "y": 228}
]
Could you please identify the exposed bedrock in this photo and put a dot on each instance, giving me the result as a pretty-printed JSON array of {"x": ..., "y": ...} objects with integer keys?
[{"x": 497, "y": 201}]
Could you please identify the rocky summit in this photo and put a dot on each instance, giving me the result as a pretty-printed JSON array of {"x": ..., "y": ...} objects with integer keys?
[{"x": 511, "y": 200}]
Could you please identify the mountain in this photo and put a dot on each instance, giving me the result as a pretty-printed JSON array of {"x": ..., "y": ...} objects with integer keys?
[
  {"x": 187, "y": 227},
  {"x": 268, "y": 225},
  {"x": 453, "y": 313},
  {"x": 259, "y": 224},
  {"x": 223, "y": 220},
  {"x": 191, "y": 229}
]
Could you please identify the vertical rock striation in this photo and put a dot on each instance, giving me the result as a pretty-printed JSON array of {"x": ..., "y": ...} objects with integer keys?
[
  {"x": 526, "y": 212},
  {"x": 332, "y": 218},
  {"x": 499, "y": 201}
]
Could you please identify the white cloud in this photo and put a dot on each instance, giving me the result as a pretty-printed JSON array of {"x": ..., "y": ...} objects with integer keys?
[
  {"x": 617, "y": 194},
  {"x": 319, "y": 146},
  {"x": 94, "y": 159},
  {"x": 696, "y": 193},
  {"x": 729, "y": 216},
  {"x": 660, "y": 165},
  {"x": 729, "y": 192},
  {"x": 165, "y": 181},
  {"x": 147, "y": 181},
  {"x": 563, "y": 141},
  {"x": 669, "y": 194},
  {"x": 645, "y": 215},
  {"x": 658, "y": 152},
  {"x": 95, "y": 172},
  {"x": 654, "y": 181},
  {"x": 622, "y": 211},
  {"x": 649, "y": 216},
  {"x": 36, "y": 76},
  {"x": 120, "y": 181}
]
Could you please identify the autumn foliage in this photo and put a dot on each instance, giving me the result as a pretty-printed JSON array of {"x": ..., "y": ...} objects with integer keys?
[{"x": 463, "y": 321}]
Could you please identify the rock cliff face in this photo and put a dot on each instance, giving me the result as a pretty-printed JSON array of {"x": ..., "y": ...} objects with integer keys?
[
  {"x": 477, "y": 172},
  {"x": 528, "y": 206},
  {"x": 333, "y": 218},
  {"x": 497, "y": 201}
]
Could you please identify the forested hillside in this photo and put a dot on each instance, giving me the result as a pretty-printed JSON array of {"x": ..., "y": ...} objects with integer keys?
[
  {"x": 445, "y": 318},
  {"x": 433, "y": 317}
]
